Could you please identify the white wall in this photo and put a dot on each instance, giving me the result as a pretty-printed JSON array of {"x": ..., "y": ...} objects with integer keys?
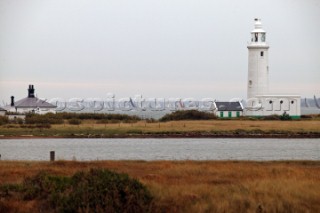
[
  {"x": 274, "y": 105},
  {"x": 258, "y": 71},
  {"x": 36, "y": 110},
  {"x": 226, "y": 114}
]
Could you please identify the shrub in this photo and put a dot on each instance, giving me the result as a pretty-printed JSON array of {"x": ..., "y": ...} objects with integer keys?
[
  {"x": 74, "y": 121},
  {"x": 188, "y": 115},
  {"x": 48, "y": 118},
  {"x": 106, "y": 191},
  {"x": 306, "y": 116},
  {"x": 271, "y": 117},
  {"x": 285, "y": 117},
  {"x": 19, "y": 120},
  {"x": 58, "y": 118},
  {"x": 98, "y": 190},
  {"x": 98, "y": 116},
  {"x": 3, "y": 120}
]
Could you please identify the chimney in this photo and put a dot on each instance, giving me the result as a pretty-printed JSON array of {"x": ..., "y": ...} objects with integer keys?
[
  {"x": 31, "y": 91},
  {"x": 12, "y": 101}
]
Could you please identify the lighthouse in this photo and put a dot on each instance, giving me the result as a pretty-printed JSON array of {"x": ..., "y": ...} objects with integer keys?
[
  {"x": 259, "y": 100},
  {"x": 258, "y": 68}
]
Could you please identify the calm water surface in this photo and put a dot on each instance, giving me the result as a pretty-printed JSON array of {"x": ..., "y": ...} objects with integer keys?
[{"x": 161, "y": 149}]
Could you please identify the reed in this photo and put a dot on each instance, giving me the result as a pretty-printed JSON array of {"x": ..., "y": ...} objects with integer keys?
[
  {"x": 197, "y": 186},
  {"x": 233, "y": 127}
]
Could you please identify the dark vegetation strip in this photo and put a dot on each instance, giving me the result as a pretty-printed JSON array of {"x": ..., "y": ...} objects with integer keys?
[
  {"x": 98, "y": 190},
  {"x": 103, "y": 118}
]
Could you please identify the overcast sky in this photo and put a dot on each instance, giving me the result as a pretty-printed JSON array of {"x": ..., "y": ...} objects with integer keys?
[{"x": 157, "y": 48}]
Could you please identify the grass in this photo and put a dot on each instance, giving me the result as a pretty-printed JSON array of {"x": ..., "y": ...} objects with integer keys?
[
  {"x": 90, "y": 127},
  {"x": 98, "y": 190},
  {"x": 197, "y": 186}
]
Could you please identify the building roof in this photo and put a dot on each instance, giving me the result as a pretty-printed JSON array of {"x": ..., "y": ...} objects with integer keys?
[
  {"x": 229, "y": 106},
  {"x": 33, "y": 102},
  {"x": 1, "y": 109}
]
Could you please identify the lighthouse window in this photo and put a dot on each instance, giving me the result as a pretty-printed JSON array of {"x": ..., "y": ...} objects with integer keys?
[
  {"x": 261, "y": 53},
  {"x": 263, "y": 37},
  {"x": 256, "y": 37}
]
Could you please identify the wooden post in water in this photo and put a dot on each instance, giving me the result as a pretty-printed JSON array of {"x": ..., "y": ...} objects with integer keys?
[{"x": 52, "y": 155}]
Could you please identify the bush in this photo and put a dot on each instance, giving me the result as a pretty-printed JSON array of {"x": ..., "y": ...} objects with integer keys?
[
  {"x": 19, "y": 120},
  {"x": 306, "y": 116},
  {"x": 98, "y": 190},
  {"x": 271, "y": 117},
  {"x": 106, "y": 191},
  {"x": 3, "y": 120},
  {"x": 285, "y": 117},
  {"x": 74, "y": 121},
  {"x": 188, "y": 115},
  {"x": 48, "y": 118},
  {"x": 98, "y": 116},
  {"x": 59, "y": 118}
]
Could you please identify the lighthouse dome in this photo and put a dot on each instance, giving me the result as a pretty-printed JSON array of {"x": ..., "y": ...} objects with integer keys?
[{"x": 257, "y": 26}]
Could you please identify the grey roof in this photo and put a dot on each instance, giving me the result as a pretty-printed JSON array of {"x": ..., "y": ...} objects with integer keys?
[
  {"x": 229, "y": 106},
  {"x": 34, "y": 102},
  {"x": 1, "y": 109}
]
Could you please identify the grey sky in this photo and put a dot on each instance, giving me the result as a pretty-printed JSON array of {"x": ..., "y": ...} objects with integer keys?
[{"x": 157, "y": 48}]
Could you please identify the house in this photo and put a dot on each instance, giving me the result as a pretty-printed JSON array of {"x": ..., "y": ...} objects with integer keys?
[
  {"x": 228, "y": 109},
  {"x": 2, "y": 111},
  {"x": 31, "y": 104}
]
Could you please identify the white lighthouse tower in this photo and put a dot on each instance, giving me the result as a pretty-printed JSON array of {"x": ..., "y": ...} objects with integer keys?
[
  {"x": 258, "y": 69},
  {"x": 260, "y": 102}
]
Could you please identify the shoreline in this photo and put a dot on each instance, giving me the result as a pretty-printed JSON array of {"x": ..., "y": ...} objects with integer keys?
[{"x": 159, "y": 136}]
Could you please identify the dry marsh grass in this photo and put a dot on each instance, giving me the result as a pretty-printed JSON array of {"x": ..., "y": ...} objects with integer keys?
[
  {"x": 211, "y": 125},
  {"x": 199, "y": 186},
  {"x": 88, "y": 127}
]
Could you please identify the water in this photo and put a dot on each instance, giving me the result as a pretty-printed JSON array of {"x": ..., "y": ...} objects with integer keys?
[{"x": 161, "y": 149}]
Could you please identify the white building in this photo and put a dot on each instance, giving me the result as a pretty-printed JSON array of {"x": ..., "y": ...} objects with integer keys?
[
  {"x": 264, "y": 105},
  {"x": 228, "y": 109},
  {"x": 259, "y": 101},
  {"x": 30, "y": 104}
]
